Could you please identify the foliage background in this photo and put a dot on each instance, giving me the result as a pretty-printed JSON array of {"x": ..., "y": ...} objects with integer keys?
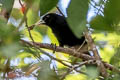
[{"x": 17, "y": 59}]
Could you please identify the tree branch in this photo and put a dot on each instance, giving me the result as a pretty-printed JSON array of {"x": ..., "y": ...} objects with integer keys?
[
  {"x": 96, "y": 54},
  {"x": 59, "y": 49},
  {"x": 70, "y": 52}
]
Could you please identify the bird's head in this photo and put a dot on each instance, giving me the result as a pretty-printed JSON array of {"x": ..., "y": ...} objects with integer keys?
[{"x": 50, "y": 18}]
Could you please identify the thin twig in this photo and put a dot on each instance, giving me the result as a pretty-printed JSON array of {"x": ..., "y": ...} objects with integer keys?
[
  {"x": 81, "y": 45},
  {"x": 100, "y": 7},
  {"x": 30, "y": 35},
  {"x": 21, "y": 3},
  {"x": 95, "y": 6},
  {"x": 33, "y": 25},
  {"x": 60, "y": 11},
  {"x": 59, "y": 60}
]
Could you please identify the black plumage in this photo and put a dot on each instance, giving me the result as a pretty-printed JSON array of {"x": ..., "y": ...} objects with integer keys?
[
  {"x": 63, "y": 33},
  {"x": 61, "y": 30}
]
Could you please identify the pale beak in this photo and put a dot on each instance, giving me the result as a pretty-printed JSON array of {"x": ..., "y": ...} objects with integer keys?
[{"x": 42, "y": 22}]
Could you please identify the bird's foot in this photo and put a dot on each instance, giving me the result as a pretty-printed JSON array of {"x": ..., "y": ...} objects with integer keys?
[{"x": 54, "y": 47}]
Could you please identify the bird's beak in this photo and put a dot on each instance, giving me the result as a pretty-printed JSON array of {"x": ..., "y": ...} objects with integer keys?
[{"x": 42, "y": 22}]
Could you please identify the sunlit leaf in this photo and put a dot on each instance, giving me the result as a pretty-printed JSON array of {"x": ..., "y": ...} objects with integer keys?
[
  {"x": 35, "y": 35},
  {"x": 33, "y": 13},
  {"x": 41, "y": 29},
  {"x": 64, "y": 57},
  {"x": 52, "y": 37},
  {"x": 105, "y": 51},
  {"x": 14, "y": 15},
  {"x": 107, "y": 47},
  {"x": 32, "y": 17},
  {"x": 114, "y": 40}
]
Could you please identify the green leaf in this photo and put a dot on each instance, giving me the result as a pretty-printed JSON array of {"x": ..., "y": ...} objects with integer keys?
[
  {"x": 92, "y": 72},
  {"x": 7, "y": 7},
  {"x": 41, "y": 29},
  {"x": 77, "y": 14},
  {"x": 99, "y": 23},
  {"x": 115, "y": 60},
  {"x": 29, "y": 3},
  {"x": 35, "y": 35},
  {"x": 8, "y": 4},
  {"x": 9, "y": 39},
  {"x": 46, "y": 5},
  {"x": 10, "y": 50},
  {"x": 112, "y": 11},
  {"x": 4, "y": 30},
  {"x": 52, "y": 37},
  {"x": 75, "y": 77},
  {"x": 32, "y": 17},
  {"x": 46, "y": 73},
  {"x": 1, "y": 1},
  {"x": 18, "y": 15},
  {"x": 32, "y": 13}
]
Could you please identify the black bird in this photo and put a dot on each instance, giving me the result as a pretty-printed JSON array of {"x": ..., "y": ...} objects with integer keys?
[
  {"x": 61, "y": 30},
  {"x": 63, "y": 33}
]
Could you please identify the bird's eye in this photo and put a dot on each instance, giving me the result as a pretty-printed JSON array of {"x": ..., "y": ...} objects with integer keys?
[{"x": 47, "y": 16}]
